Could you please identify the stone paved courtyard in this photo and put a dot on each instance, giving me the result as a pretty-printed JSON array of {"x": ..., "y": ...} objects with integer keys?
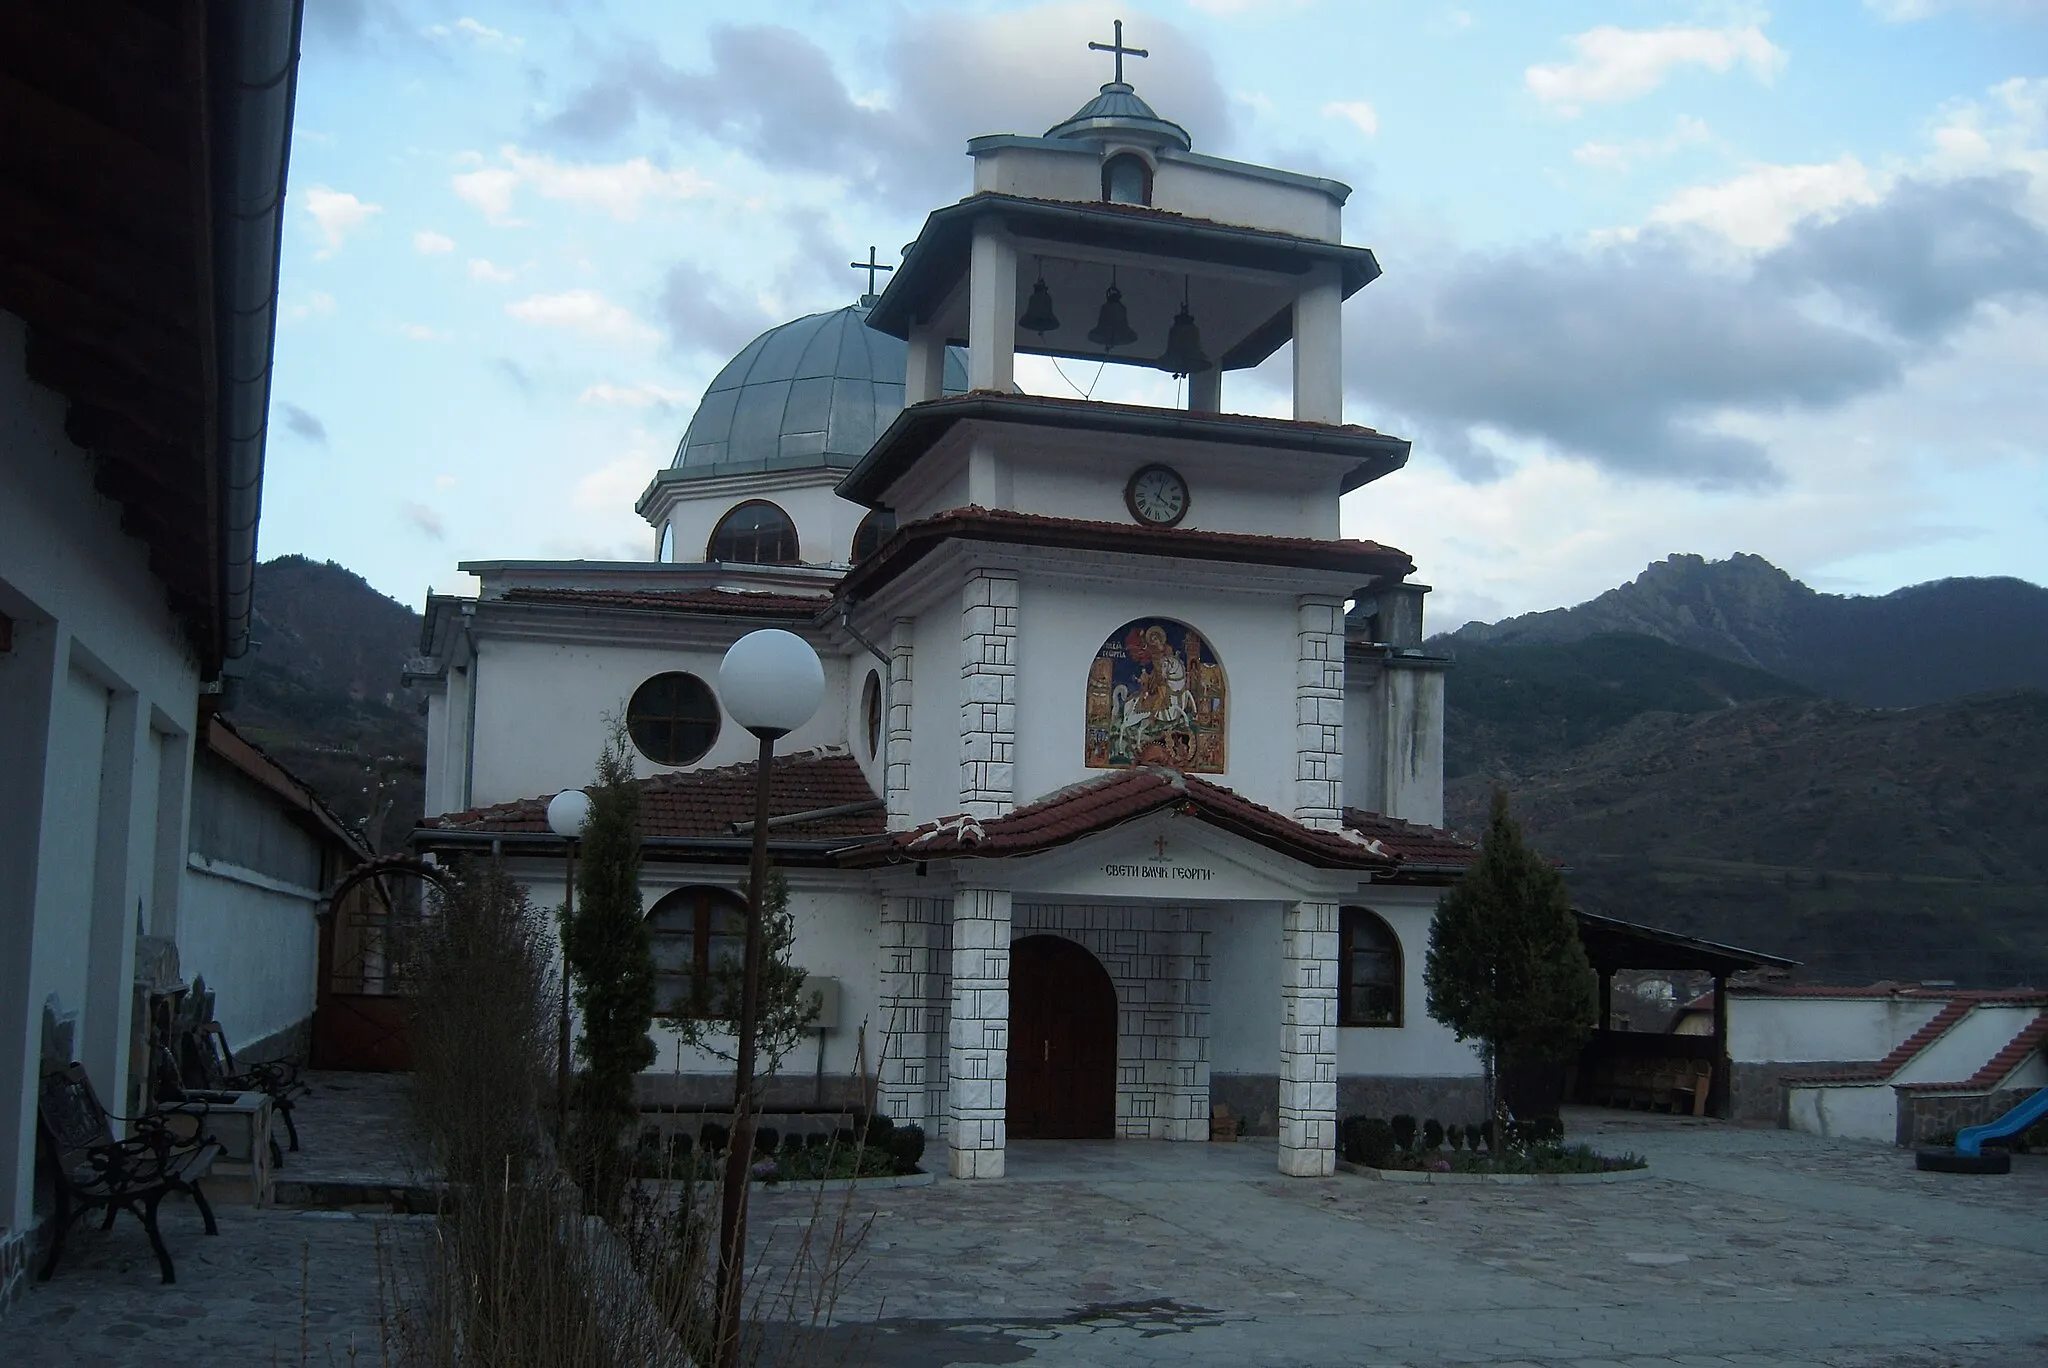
[{"x": 1747, "y": 1247}]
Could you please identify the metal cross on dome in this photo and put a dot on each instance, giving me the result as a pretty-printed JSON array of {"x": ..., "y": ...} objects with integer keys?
[
  {"x": 871, "y": 266},
  {"x": 1119, "y": 49}
]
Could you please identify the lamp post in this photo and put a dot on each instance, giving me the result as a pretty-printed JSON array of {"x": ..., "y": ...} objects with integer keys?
[
  {"x": 567, "y": 812},
  {"x": 771, "y": 683}
]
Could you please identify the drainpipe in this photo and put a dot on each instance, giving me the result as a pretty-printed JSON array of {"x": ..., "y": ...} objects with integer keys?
[{"x": 252, "y": 58}]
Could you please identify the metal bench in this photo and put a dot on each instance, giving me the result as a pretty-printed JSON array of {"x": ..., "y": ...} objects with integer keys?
[
  {"x": 92, "y": 1170},
  {"x": 205, "y": 1062}
]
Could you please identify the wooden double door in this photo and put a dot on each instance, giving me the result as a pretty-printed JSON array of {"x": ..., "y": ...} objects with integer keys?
[{"x": 1062, "y": 1078}]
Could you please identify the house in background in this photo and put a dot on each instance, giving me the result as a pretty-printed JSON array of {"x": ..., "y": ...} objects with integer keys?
[{"x": 142, "y": 175}]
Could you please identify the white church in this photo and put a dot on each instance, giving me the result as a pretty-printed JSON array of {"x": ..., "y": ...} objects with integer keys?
[{"x": 1125, "y": 799}]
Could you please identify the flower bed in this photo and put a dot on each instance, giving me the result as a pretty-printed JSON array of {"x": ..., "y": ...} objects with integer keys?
[
  {"x": 876, "y": 1149},
  {"x": 1527, "y": 1150}
]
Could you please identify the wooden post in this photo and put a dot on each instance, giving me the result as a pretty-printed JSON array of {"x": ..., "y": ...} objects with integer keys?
[{"x": 1720, "y": 1096}]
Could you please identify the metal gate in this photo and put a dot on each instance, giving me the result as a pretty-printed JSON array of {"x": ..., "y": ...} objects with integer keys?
[{"x": 361, "y": 1009}]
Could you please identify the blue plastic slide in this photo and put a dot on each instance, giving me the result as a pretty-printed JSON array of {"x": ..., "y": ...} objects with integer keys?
[{"x": 1970, "y": 1139}]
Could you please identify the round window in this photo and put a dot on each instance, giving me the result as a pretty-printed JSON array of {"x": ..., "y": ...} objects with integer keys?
[{"x": 673, "y": 719}]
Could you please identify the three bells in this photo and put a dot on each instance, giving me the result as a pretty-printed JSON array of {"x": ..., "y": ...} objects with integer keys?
[{"x": 1183, "y": 354}]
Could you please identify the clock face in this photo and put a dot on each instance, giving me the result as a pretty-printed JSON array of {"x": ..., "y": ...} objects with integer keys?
[{"x": 1157, "y": 496}]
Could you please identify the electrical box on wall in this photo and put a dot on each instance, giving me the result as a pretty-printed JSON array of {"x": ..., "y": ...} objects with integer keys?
[{"x": 825, "y": 992}]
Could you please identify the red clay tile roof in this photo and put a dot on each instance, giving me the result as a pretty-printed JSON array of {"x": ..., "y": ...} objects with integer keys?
[
  {"x": 2032, "y": 1036},
  {"x": 1110, "y": 800},
  {"x": 1412, "y": 844},
  {"x": 722, "y": 601},
  {"x": 913, "y": 541},
  {"x": 705, "y": 803}
]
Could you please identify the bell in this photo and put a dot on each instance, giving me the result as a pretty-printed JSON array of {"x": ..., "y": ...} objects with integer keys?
[
  {"x": 1112, "y": 325},
  {"x": 1183, "y": 354},
  {"x": 1038, "y": 315}
]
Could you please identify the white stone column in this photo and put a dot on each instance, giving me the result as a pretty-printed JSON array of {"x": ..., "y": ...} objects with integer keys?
[
  {"x": 924, "y": 375},
  {"x": 978, "y": 1034},
  {"x": 913, "y": 992},
  {"x": 992, "y": 310},
  {"x": 988, "y": 693},
  {"x": 1319, "y": 713},
  {"x": 896, "y": 752},
  {"x": 1319, "y": 347},
  {"x": 1205, "y": 391},
  {"x": 1308, "y": 1039}
]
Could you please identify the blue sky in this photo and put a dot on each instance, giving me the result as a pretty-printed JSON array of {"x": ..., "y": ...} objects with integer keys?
[{"x": 1659, "y": 278}]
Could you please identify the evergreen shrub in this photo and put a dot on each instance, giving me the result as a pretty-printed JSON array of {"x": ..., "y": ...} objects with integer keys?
[
  {"x": 1404, "y": 1131},
  {"x": 713, "y": 1137},
  {"x": 767, "y": 1140},
  {"x": 793, "y": 1143},
  {"x": 1432, "y": 1134},
  {"x": 1455, "y": 1134},
  {"x": 1474, "y": 1132},
  {"x": 906, "y": 1144}
]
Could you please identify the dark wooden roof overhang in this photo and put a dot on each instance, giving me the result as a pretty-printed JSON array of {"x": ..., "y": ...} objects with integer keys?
[
  {"x": 142, "y": 153},
  {"x": 301, "y": 803},
  {"x": 1613, "y": 945},
  {"x": 917, "y": 428},
  {"x": 913, "y": 541},
  {"x": 937, "y": 261}
]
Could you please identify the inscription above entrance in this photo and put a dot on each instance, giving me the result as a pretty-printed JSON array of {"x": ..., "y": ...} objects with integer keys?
[{"x": 1156, "y": 696}]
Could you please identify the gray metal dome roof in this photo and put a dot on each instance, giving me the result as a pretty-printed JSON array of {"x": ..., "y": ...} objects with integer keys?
[
  {"x": 813, "y": 392},
  {"x": 1117, "y": 113}
]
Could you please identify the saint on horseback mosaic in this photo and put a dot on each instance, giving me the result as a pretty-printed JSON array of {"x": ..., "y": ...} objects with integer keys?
[{"x": 1156, "y": 696}]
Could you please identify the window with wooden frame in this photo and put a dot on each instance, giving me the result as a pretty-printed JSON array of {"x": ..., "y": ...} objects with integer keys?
[
  {"x": 691, "y": 931},
  {"x": 874, "y": 529},
  {"x": 754, "y": 533},
  {"x": 673, "y": 718},
  {"x": 1368, "y": 970}
]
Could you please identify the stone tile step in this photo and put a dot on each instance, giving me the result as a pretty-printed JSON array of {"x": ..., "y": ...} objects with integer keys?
[{"x": 343, "y": 1194}]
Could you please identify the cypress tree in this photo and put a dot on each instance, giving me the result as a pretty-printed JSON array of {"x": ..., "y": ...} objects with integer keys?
[
  {"x": 1505, "y": 965},
  {"x": 611, "y": 961}
]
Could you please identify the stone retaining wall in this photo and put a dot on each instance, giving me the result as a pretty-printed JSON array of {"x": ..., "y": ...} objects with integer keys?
[{"x": 1922, "y": 1116}]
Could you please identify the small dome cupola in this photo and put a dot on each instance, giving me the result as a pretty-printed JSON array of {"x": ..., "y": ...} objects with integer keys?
[{"x": 1116, "y": 116}]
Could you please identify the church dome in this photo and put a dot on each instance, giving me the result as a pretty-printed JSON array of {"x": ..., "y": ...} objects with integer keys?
[
  {"x": 1118, "y": 115},
  {"x": 813, "y": 392}
]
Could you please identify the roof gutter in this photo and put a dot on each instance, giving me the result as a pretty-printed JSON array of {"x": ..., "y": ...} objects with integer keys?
[
  {"x": 253, "y": 58},
  {"x": 430, "y": 837}
]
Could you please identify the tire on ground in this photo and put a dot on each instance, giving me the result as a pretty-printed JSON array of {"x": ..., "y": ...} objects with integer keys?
[{"x": 1948, "y": 1161}]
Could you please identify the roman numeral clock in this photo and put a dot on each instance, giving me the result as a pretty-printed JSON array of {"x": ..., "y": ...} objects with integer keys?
[{"x": 1157, "y": 496}]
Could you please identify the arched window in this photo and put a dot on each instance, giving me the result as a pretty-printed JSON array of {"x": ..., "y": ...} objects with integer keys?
[
  {"x": 673, "y": 719},
  {"x": 1156, "y": 696},
  {"x": 874, "y": 529},
  {"x": 692, "y": 931},
  {"x": 871, "y": 711},
  {"x": 755, "y": 533},
  {"x": 1368, "y": 970},
  {"x": 667, "y": 554},
  {"x": 1126, "y": 179}
]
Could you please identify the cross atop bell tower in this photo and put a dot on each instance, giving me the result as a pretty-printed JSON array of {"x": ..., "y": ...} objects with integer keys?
[{"x": 1117, "y": 47}]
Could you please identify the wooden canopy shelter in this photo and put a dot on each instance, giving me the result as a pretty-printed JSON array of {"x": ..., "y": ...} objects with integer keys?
[{"x": 1614, "y": 945}]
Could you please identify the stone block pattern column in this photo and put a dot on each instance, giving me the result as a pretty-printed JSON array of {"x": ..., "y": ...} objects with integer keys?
[
  {"x": 896, "y": 747},
  {"x": 1319, "y": 714},
  {"x": 1158, "y": 959},
  {"x": 978, "y": 1034},
  {"x": 1308, "y": 1039},
  {"x": 916, "y": 979},
  {"x": 988, "y": 694}
]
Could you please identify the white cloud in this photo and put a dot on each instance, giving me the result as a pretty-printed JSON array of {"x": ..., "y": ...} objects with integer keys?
[
  {"x": 617, "y": 485},
  {"x": 444, "y": 482},
  {"x": 619, "y": 188},
  {"x": 420, "y": 332},
  {"x": 482, "y": 35},
  {"x": 1758, "y": 208},
  {"x": 642, "y": 395},
  {"x": 319, "y": 304},
  {"x": 1616, "y": 64},
  {"x": 582, "y": 311},
  {"x": 481, "y": 268},
  {"x": 335, "y": 215},
  {"x": 1625, "y": 156},
  {"x": 429, "y": 243},
  {"x": 1357, "y": 111}
]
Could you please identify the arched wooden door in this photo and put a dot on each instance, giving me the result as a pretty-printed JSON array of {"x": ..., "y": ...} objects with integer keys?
[{"x": 1062, "y": 1083}]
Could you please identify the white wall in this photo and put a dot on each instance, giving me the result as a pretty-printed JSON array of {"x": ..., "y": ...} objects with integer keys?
[
  {"x": 1796, "y": 1030},
  {"x": 99, "y": 675},
  {"x": 541, "y": 706},
  {"x": 255, "y": 940},
  {"x": 935, "y": 711},
  {"x": 836, "y": 937},
  {"x": 825, "y": 523},
  {"x": 1968, "y": 1045},
  {"x": 1062, "y": 624},
  {"x": 1867, "y": 1111},
  {"x": 1422, "y": 1047},
  {"x": 1201, "y": 189}
]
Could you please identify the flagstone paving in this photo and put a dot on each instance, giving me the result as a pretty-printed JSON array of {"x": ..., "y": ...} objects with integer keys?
[{"x": 1753, "y": 1248}]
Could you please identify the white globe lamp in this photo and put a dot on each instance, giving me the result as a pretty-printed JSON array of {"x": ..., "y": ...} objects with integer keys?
[
  {"x": 771, "y": 682},
  {"x": 567, "y": 812}
]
